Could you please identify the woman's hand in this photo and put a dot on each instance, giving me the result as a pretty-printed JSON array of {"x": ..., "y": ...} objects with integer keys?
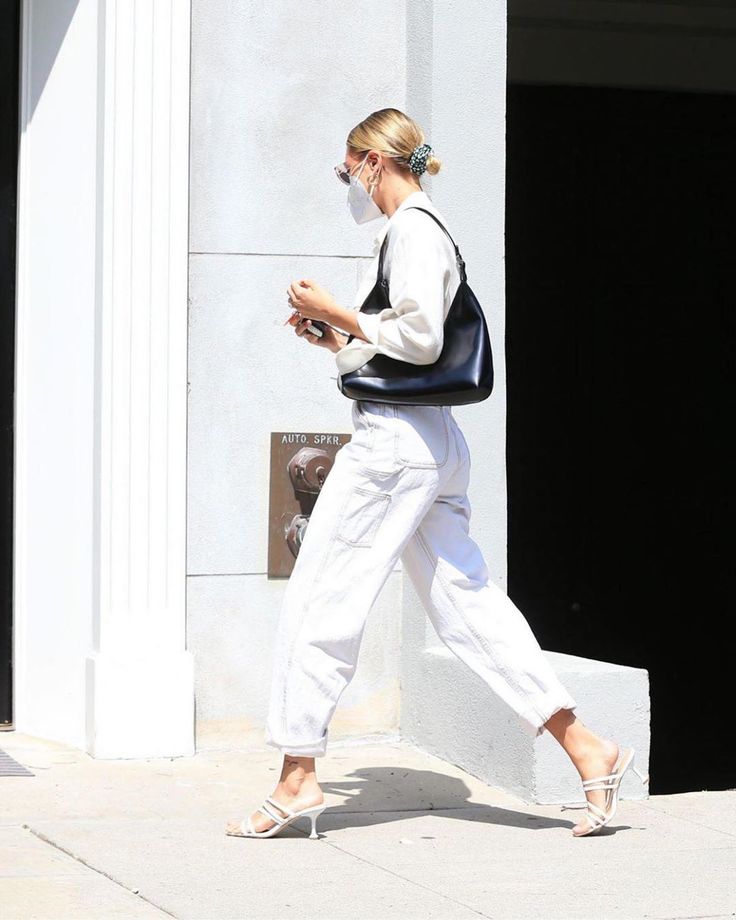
[
  {"x": 330, "y": 339},
  {"x": 312, "y": 301}
]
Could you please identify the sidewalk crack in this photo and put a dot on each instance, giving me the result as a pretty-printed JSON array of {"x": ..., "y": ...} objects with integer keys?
[{"x": 58, "y": 846}]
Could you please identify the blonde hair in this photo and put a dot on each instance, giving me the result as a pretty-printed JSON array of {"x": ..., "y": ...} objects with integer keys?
[{"x": 393, "y": 133}]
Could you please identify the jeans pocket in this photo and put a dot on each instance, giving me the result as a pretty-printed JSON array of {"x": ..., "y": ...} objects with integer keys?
[
  {"x": 379, "y": 453},
  {"x": 422, "y": 436},
  {"x": 362, "y": 515}
]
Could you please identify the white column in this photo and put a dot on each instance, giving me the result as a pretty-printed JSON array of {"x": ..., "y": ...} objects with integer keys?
[{"x": 139, "y": 678}]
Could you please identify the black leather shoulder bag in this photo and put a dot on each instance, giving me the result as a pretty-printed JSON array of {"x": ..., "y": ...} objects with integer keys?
[{"x": 462, "y": 374}]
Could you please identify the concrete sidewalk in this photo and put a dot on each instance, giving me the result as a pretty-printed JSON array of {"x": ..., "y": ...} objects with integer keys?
[{"x": 406, "y": 836}]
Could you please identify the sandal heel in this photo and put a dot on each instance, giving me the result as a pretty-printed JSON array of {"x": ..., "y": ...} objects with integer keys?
[
  {"x": 644, "y": 777},
  {"x": 313, "y": 814}
]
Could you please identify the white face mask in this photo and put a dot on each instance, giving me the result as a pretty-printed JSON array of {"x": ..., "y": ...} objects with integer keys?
[{"x": 360, "y": 201}]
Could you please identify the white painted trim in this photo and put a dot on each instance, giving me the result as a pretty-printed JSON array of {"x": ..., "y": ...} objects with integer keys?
[{"x": 143, "y": 229}]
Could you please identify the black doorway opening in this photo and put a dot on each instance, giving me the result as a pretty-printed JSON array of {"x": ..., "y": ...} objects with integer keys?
[
  {"x": 9, "y": 54},
  {"x": 620, "y": 340}
]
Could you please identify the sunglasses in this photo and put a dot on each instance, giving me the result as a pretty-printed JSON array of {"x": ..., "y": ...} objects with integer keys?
[{"x": 343, "y": 173}]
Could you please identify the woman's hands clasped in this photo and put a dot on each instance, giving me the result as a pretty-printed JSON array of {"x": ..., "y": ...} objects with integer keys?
[{"x": 312, "y": 302}]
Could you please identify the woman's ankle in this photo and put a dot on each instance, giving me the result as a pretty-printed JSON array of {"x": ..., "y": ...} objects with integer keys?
[{"x": 298, "y": 770}]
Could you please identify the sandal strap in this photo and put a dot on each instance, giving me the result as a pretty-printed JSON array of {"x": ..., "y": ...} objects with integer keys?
[
  {"x": 271, "y": 812},
  {"x": 600, "y": 779},
  {"x": 272, "y": 800},
  {"x": 589, "y": 786},
  {"x": 591, "y": 806},
  {"x": 590, "y": 814},
  {"x": 594, "y": 819},
  {"x": 599, "y": 811}
]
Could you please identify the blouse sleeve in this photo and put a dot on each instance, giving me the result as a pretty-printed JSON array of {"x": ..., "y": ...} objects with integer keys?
[{"x": 412, "y": 329}]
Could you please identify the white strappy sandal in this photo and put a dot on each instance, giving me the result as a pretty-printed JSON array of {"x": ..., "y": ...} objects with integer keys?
[
  {"x": 598, "y": 817},
  {"x": 269, "y": 808}
]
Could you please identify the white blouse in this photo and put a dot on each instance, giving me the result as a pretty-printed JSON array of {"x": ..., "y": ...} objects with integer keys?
[{"x": 421, "y": 266}]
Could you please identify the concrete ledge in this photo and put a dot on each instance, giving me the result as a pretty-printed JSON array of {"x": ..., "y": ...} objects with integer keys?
[{"x": 448, "y": 711}]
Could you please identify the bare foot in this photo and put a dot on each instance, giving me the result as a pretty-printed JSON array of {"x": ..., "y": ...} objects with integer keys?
[
  {"x": 598, "y": 760},
  {"x": 297, "y": 789}
]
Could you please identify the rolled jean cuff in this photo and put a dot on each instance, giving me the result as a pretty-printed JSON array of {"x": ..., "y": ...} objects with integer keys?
[
  {"x": 534, "y": 719},
  {"x": 315, "y": 749}
]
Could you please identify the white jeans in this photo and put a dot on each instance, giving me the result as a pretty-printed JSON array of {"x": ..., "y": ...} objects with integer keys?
[{"x": 398, "y": 489}]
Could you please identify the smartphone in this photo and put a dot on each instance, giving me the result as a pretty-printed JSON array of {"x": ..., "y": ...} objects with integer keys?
[{"x": 317, "y": 326}]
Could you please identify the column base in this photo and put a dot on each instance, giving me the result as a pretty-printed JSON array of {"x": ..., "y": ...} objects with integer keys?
[{"x": 140, "y": 705}]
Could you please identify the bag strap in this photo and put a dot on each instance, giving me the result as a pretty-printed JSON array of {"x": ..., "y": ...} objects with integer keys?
[{"x": 460, "y": 261}]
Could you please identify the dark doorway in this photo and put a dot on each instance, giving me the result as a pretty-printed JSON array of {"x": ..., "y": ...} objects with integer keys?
[
  {"x": 9, "y": 49},
  {"x": 620, "y": 248}
]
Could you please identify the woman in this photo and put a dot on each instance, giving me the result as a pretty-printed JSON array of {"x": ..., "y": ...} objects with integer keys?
[{"x": 398, "y": 489}]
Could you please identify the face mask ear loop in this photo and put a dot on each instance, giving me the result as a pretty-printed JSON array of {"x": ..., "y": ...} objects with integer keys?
[
  {"x": 357, "y": 175},
  {"x": 374, "y": 184}
]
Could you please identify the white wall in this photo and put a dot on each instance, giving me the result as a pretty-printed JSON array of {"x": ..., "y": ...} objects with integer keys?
[{"x": 275, "y": 89}]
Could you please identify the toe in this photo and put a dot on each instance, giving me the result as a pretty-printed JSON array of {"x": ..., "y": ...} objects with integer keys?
[{"x": 261, "y": 821}]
